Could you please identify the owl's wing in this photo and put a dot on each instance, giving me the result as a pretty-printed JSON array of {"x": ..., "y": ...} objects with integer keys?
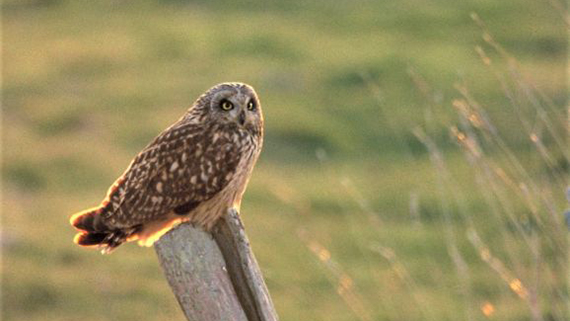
[{"x": 185, "y": 165}]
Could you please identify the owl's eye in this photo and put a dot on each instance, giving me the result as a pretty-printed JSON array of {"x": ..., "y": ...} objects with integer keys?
[
  {"x": 226, "y": 105},
  {"x": 251, "y": 105}
]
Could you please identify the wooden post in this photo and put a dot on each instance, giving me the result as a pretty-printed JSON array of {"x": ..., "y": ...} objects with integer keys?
[{"x": 215, "y": 276}]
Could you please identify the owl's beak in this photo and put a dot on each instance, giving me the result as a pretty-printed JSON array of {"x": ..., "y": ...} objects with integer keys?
[{"x": 241, "y": 118}]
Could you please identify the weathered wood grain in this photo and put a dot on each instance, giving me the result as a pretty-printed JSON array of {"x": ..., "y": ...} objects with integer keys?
[
  {"x": 243, "y": 269},
  {"x": 215, "y": 276}
]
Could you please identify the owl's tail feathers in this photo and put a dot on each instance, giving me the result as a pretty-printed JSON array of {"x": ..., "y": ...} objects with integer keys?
[
  {"x": 105, "y": 241},
  {"x": 93, "y": 232},
  {"x": 89, "y": 220}
]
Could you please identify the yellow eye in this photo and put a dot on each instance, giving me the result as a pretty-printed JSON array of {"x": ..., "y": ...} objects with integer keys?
[
  {"x": 251, "y": 105},
  {"x": 226, "y": 105}
]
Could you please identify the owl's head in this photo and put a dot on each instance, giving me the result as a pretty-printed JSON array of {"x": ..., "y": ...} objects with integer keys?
[{"x": 233, "y": 103}]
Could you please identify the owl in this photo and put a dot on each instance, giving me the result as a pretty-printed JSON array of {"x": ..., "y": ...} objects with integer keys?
[{"x": 194, "y": 171}]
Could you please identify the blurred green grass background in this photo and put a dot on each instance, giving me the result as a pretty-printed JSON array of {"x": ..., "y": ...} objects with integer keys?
[{"x": 87, "y": 84}]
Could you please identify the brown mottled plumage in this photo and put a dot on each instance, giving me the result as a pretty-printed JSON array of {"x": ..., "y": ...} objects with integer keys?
[{"x": 193, "y": 171}]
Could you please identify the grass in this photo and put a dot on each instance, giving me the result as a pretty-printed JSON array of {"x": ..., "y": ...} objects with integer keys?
[{"x": 370, "y": 200}]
